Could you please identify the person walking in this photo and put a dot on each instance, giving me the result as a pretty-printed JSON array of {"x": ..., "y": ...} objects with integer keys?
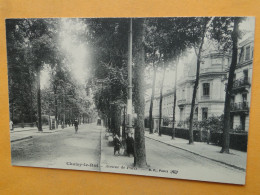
[
  {"x": 11, "y": 125},
  {"x": 117, "y": 144},
  {"x": 76, "y": 125}
]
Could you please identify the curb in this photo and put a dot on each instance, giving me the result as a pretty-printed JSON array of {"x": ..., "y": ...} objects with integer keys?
[
  {"x": 230, "y": 165},
  {"x": 25, "y": 130},
  {"x": 19, "y": 139}
]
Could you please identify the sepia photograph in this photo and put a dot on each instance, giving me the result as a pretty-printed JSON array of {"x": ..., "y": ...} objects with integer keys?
[{"x": 165, "y": 97}]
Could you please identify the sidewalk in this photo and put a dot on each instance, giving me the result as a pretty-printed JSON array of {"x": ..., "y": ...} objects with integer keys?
[
  {"x": 28, "y": 133},
  {"x": 236, "y": 159},
  {"x": 19, "y": 129}
]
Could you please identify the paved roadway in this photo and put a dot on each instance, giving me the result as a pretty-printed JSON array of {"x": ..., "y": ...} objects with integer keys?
[
  {"x": 62, "y": 149},
  {"x": 67, "y": 150}
]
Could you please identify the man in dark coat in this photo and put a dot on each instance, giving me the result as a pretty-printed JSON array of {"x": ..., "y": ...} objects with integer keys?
[
  {"x": 117, "y": 144},
  {"x": 130, "y": 144},
  {"x": 76, "y": 125}
]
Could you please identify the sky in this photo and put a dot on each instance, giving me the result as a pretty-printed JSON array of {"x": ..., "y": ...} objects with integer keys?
[{"x": 74, "y": 49}]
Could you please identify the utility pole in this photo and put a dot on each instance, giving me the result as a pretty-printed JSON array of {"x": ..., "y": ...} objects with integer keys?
[
  {"x": 49, "y": 116},
  {"x": 129, "y": 98},
  {"x": 63, "y": 101}
]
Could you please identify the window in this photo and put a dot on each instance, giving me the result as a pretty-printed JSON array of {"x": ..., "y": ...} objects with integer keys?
[
  {"x": 181, "y": 114},
  {"x": 245, "y": 75},
  {"x": 244, "y": 97},
  {"x": 231, "y": 121},
  {"x": 196, "y": 114},
  {"x": 204, "y": 113},
  {"x": 242, "y": 122},
  {"x": 247, "y": 53},
  {"x": 232, "y": 101},
  {"x": 205, "y": 89},
  {"x": 235, "y": 76},
  {"x": 241, "y": 56}
]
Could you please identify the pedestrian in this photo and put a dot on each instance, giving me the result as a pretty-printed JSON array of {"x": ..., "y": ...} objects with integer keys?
[
  {"x": 117, "y": 144},
  {"x": 130, "y": 145},
  {"x": 208, "y": 136},
  {"x": 76, "y": 125},
  {"x": 11, "y": 125}
]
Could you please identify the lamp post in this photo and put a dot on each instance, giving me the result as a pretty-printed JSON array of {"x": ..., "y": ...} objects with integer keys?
[{"x": 129, "y": 95}]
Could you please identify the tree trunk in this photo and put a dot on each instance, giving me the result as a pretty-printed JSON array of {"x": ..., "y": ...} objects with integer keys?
[
  {"x": 31, "y": 96},
  {"x": 174, "y": 101},
  {"x": 22, "y": 119},
  {"x": 225, "y": 143},
  {"x": 161, "y": 100},
  {"x": 56, "y": 106},
  {"x": 31, "y": 105},
  {"x": 191, "y": 141},
  {"x": 117, "y": 120},
  {"x": 123, "y": 130},
  {"x": 151, "y": 103},
  {"x": 193, "y": 101},
  {"x": 12, "y": 111},
  {"x": 113, "y": 119},
  {"x": 140, "y": 153},
  {"x": 39, "y": 110}
]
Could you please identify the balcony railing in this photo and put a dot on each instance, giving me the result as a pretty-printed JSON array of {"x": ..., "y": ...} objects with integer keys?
[
  {"x": 241, "y": 83},
  {"x": 240, "y": 107},
  {"x": 181, "y": 102}
]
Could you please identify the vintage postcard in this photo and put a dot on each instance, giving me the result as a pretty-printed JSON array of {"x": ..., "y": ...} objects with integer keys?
[{"x": 166, "y": 97}]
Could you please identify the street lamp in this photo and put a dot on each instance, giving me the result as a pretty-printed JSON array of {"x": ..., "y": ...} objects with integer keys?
[{"x": 129, "y": 98}]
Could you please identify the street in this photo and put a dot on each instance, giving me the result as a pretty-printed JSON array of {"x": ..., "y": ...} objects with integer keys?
[
  {"x": 189, "y": 166},
  {"x": 167, "y": 161},
  {"x": 63, "y": 149},
  {"x": 145, "y": 73},
  {"x": 67, "y": 150}
]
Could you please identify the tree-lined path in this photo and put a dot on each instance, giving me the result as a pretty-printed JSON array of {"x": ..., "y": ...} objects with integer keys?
[{"x": 60, "y": 149}]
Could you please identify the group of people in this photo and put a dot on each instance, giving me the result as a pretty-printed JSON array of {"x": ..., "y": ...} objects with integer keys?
[{"x": 129, "y": 144}]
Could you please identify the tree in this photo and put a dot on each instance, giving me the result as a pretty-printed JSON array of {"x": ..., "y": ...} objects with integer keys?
[
  {"x": 20, "y": 75},
  {"x": 226, "y": 137},
  {"x": 139, "y": 53},
  {"x": 202, "y": 25},
  {"x": 152, "y": 44},
  {"x": 167, "y": 38},
  {"x": 227, "y": 39},
  {"x": 40, "y": 39},
  {"x": 108, "y": 38},
  {"x": 174, "y": 100}
]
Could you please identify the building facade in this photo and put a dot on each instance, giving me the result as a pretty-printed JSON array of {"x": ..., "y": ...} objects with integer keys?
[
  {"x": 240, "y": 103},
  {"x": 167, "y": 108},
  {"x": 210, "y": 98}
]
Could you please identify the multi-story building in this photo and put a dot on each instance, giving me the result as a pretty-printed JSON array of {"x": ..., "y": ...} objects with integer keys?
[
  {"x": 240, "y": 102},
  {"x": 210, "y": 97},
  {"x": 167, "y": 107}
]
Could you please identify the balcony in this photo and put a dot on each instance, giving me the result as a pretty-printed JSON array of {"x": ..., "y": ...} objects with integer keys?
[
  {"x": 181, "y": 102},
  {"x": 240, "y": 107},
  {"x": 241, "y": 85}
]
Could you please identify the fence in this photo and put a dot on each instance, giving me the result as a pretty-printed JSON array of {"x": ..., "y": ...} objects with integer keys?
[
  {"x": 238, "y": 141},
  {"x": 22, "y": 125}
]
